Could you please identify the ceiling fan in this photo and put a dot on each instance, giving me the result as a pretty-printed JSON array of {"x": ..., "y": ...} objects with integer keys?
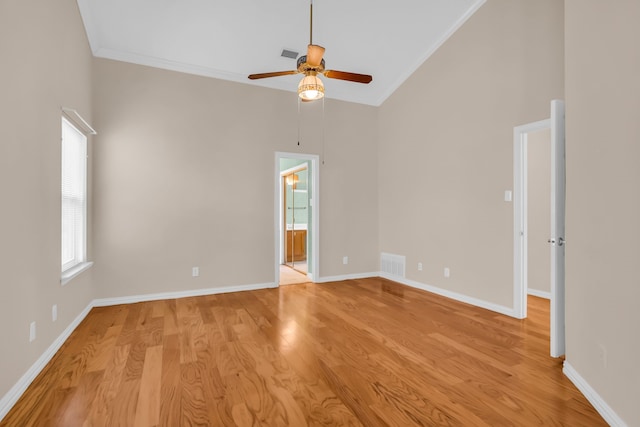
[{"x": 311, "y": 87}]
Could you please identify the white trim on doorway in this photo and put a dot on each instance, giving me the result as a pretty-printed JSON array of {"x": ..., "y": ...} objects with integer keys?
[{"x": 315, "y": 212}]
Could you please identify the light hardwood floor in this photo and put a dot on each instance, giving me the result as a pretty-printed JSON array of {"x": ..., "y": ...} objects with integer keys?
[{"x": 362, "y": 352}]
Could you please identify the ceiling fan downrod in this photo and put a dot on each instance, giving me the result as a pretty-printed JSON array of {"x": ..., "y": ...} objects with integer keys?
[{"x": 310, "y": 21}]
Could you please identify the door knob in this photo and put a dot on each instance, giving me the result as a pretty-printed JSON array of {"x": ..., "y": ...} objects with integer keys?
[
  {"x": 552, "y": 241},
  {"x": 560, "y": 241}
]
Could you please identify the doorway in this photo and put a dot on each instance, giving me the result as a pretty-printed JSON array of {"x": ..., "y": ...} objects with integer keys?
[
  {"x": 296, "y": 212},
  {"x": 538, "y": 226},
  {"x": 295, "y": 191},
  {"x": 524, "y": 138}
]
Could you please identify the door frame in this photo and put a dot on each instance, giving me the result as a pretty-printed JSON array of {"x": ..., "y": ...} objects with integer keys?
[
  {"x": 314, "y": 232},
  {"x": 520, "y": 233}
]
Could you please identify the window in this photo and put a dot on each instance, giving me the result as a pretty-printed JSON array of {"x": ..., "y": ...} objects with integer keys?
[{"x": 74, "y": 200}]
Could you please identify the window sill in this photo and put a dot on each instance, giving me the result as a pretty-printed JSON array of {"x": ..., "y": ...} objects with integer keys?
[{"x": 69, "y": 274}]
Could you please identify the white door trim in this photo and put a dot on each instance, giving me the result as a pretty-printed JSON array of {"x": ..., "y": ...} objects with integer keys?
[{"x": 315, "y": 212}]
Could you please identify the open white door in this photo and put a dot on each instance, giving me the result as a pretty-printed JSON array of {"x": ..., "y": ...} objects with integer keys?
[{"x": 557, "y": 241}]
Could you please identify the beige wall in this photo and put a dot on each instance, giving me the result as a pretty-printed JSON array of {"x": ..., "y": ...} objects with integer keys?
[
  {"x": 446, "y": 137},
  {"x": 603, "y": 199},
  {"x": 46, "y": 64},
  {"x": 539, "y": 210},
  {"x": 185, "y": 177}
]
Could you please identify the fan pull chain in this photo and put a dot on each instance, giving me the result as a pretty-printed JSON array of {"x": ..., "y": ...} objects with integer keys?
[
  {"x": 311, "y": 22},
  {"x": 298, "y": 121},
  {"x": 323, "y": 152}
]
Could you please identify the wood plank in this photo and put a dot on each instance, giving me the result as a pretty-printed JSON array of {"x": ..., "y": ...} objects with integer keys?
[
  {"x": 170, "y": 385},
  {"x": 148, "y": 409},
  {"x": 101, "y": 405},
  {"x": 194, "y": 410}
]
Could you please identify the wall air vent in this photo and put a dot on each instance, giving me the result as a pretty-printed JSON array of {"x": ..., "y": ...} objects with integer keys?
[
  {"x": 289, "y": 54},
  {"x": 392, "y": 265}
]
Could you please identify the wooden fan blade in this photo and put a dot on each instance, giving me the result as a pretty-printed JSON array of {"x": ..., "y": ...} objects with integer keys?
[
  {"x": 352, "y": 77},
  {"x": 274, "y": 74},
  {"x": 314, "y": 55}
]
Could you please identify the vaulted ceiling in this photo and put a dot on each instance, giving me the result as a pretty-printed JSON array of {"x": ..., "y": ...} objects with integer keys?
[{"x": 230, "y": 39}]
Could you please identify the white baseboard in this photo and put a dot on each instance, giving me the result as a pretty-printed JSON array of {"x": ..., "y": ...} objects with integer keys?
[
  {"x": 539, "y": 294},
  {"x": 105, "y": 302},
  {"x": 450, "y": 294},
  {"x": 12, "y": 396},
  {"x": 592, "y": 396},
  {"x": 327, "y": 279}
]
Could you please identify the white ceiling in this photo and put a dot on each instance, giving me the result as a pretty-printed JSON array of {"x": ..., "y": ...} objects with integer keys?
[{"x": 230, "y": 39}]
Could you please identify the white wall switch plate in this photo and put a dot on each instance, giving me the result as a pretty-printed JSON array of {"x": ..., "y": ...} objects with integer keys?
[
  {"x": 508, "y": 196},
  {"x": 195, "y": 271},
  {"x": 447, "y": 272},
  {"x": 345, "y": 260},
  {"x": 419, "y": 266},
  {"x": 32, "y": 331},
  {"x": 54, "y": 313}
]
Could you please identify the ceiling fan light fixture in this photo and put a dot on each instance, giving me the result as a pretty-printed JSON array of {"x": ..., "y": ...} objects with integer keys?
[{"x": 310, "y": 88}]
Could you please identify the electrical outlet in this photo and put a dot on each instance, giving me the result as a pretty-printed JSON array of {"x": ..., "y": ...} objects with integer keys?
[
  {"x": 419, "y": 266},
  {"x": 32, "y": 331},
  {"x": 345, "y": 260},
  {"x": 447, "y": 272},
  {"x": 195, "y": 271},
  {"x": 54, "y": 313}
]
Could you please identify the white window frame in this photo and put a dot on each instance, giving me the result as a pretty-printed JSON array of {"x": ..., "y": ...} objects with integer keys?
[{"x": 73, "y": 123}]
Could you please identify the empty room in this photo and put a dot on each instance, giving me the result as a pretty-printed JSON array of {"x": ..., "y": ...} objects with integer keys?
[{"x": 314, "y": 212}]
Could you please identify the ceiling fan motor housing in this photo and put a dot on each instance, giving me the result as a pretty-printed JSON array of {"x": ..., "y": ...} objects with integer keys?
[{"x": 304, "y": 67}]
